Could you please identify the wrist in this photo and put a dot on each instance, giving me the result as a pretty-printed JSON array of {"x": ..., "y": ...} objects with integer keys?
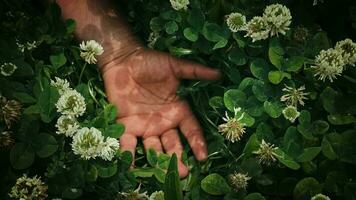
[{"x": 114, "y": 57}]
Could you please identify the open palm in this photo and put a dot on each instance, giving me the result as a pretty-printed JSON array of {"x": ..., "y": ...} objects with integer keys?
[{"x": 143, "y": 86}]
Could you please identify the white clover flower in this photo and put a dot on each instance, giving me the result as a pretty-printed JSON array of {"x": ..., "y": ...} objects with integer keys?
[
  {"x": 257, "y": 29},
  {"x": 233, "y": 129},
  {"x": 158, "y": 195},
  {"x": 179, "y": 4},
  {"x": 320, "y": 197},
  {"x": 88, "y": 143},
  {"x": 135, "y": 195},
  {"x": 29, "y": 188},
  {"x": 348, "y": 51},
  {"x": 62, "y": 85},
  {"x": 109, "y": 148},
  {"x": 71, "y": 103},
  {"x": 291, "y": 113},
  {"x": 278, "y": 18},
  {"x": 27, "y": 46},
  {"x": 236, "y": 22},
  {"x": 67, "y": 125},
  {"x": 239, "y": 181},
  {"x": 152, "y": 39},
  {"x": 328, "y": 64},
  {"x": 294, "y": 96},
  {"x": 90, "y": 49},
  {"x": 7, "y": 69},
  {"x": 266, "y": 153}
]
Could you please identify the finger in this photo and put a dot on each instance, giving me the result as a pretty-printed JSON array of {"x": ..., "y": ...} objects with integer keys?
[
  {"x": 192, "y": 131},
  {"x": 190, "y": 70},
  {"x": 133, "y": 124},
  {"x": 128, "y": 142},
  {"x": 171, "y": 144},
  {"x": 152, "y": 142}
]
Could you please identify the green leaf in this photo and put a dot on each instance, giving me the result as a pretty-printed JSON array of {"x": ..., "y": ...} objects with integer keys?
[
  {"x": 172, "y": 188},
  {"x": 215, "y": 184},
  {"x": 114, "y": 130},
  {"x": 304, "y": 117},
  {"x": 252, "y": 167},
  {"x": 191, "y": 34},
  {"x": 221, "y": 44},
  {"x": 329, "y": 99},
  {"x": 216, "y": 102},
  {"x": 107, "y": 169},
  {"x": 309, "y": 154},
  {"x": 328, "y": 150},
  {"x": 252, "y": 145},
  {"x": 58, "y": 60},
  {"x": 286, "y": 160},
  {"x": 45, "y": 145},
  {"x": 234, "y": 98},
  {"x": 171, "y": 27},
  {"x": 306, "y": 188},
  {"x": 110, "y": 113},
  {"x": 237, "y": 56},
  {"x": 24, "y": 97},
  {"x": 152, "y": 157},
  {"x": 21, "y": 156},
  {"x": 294, "y": 64},
  {"x": 275, "y": 77},
  {"x": 178, "y": 51},
  {"x": 91, "y": 175},
  {"x": 46, "y": 103},
  {"x": 196, "y": 19},
  {"x": 339, "y": 119},
  {"x": 247, "y": 119},
  {"x": 275, "y": 53},
  {"x": 320, "y": 127},
  {"x": 273, "y": 109},
  {"x": 259, "y": 68},
  {"x": 70, "y": 25},
  {"x": 254, "y": 196}
]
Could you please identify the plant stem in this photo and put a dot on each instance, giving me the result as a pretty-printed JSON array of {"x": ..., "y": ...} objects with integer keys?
[{"x": 81, "y": 73}]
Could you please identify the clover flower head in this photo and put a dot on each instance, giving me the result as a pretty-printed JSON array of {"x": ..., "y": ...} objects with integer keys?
[
  {"x": 29, "y": 188},
  {"x": 6, "y": 140},
  {"x": 135, "y": 195},
  {"x": 233, "y": 129},
  {"x": 67, "y": 125},
  {"x": 293, "y": 96},
  {"x": 291, "y": 113},
  {"x": 71, "y": 103},
  {"x": 266, "y": 153},
  {"x": 257, "y": 29},
  {"x": 348, "y": 51},
  {"x": 27, "y": 46},
  {"x": 90, "y": 49},
  {"x": 7, "y": 69},
  {"x": 278, "y": 18},
  {"x": 328, "y": 64},
  {"x": 10, "y": 111},
  {"x": 62, "y": 85},
  {"x": 179, "y": 4},
  {"x": 236, "y": 22},
  {"x": 88, "y": 143},
  {"x": 109, "y": 148},
  {"x": 158, "y": 195},
  {"x": 152, "y": 39},
  {"x": 239, "y": 181},
  {"x": 320, "y": 197}
]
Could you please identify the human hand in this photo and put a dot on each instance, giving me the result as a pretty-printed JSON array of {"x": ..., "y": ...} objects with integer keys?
[{"x": 143, "y": 86}]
